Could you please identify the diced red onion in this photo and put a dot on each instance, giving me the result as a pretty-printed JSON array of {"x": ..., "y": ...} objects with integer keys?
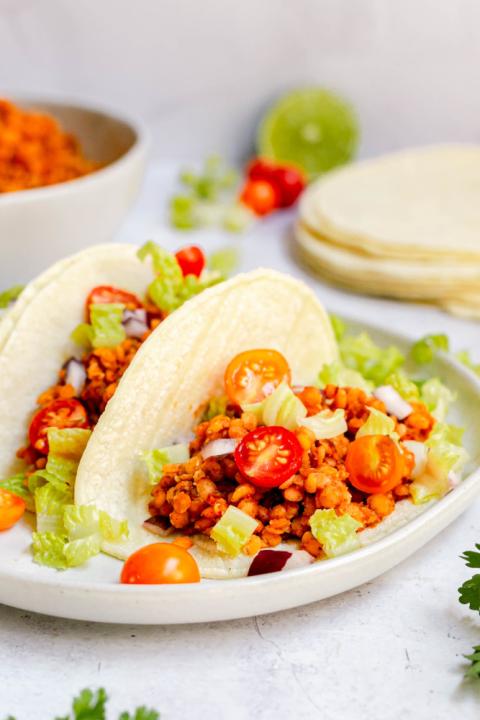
[
  {"x": 420, "y": 453},
  {"x": 135, "y": 322},
  {"x": 216, "y": 448},
  {"x": 393, "y": 401},
  {"x": 268, "y": 561},
  {"x": 75, "y": 374},
  {"x": 158, "y": 525}
]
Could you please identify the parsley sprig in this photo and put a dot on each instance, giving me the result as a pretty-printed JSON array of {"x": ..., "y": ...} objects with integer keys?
[
  {"x": 91, "y": 705},
  {"x": 470, "y": 595}
]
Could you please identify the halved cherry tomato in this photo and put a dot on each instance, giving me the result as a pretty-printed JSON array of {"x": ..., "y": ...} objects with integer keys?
[
  {"x": 60, "y": 414},
  {"x": 12, "y": 508},
  {"x": 191, "y": 260},
  {"x": 254, "y": 374},
  {"x": 289, "y": 180},
  {"x": 103, "y": 294},
  {"x": 160, "y": 564},
  {"x": 268, "y": 456},
  {"x": 375, "y": 464},
  {"x": 261, "y": 196}
]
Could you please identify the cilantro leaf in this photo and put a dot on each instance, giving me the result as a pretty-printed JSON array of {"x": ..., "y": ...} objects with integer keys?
[
  {"x": 89, "y": 705},
  {"x": 474, "y": 670},
  {"x": 470, "y": 593},
  {"x": 472, "y": 558},
  {"x": 141, "y": 713}
]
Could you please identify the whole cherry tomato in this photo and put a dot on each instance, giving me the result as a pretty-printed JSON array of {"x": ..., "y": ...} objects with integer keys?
[
  {"x": 60, "y": 414},
  {"x": 261, "y": 196},
  {"x": 160, "y": 564},
  {"x": 254, "y": 374},
  {"x": 375, "y": 464},
  {"x": 103, "y": 294},
  {"x": 289, "y": 180},
  {"x": 268, "y": 456},
  {"x": 191, "y": 260},
  {"x": 12, "y": 508}
]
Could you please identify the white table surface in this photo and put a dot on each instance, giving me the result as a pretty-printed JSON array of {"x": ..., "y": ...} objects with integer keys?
[{"x": 391, "y": 649}]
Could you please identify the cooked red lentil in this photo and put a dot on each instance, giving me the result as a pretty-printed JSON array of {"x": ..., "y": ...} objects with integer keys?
[{"x": 192, "y": 496}]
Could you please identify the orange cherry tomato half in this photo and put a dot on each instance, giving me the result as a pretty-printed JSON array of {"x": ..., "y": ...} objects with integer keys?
[
  {"x": 160, "y": 564},
  {"x": 12, "y": 508},
  {"x": 103, "y": 294},
  {"x": 191, "y": 260},
  {"x": 254, "y": 374},
  {"x": 60, "y": 414},
  {"x": 261, "y": 196},
  {"x": 375, "y": 464},
  {"x": 268, "y": 456}
]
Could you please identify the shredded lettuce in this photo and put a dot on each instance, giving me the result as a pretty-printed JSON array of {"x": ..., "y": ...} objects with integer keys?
[
  {"x": 326, "y": 424},
  {"x": 215, "y": 406},
  {"x": 282, "y": 407},
  {"x": 170, "y": 289},
  {"x": 338, "y": 326},
  {"x": 18, "y": 485},
  {"x": 337, "y": 534},
  {"x": 48, "y": 549},
  {"x": 464, "y": 357},
  {"x": 445, "y": 456},
  {"x": 337, "y": 374},
  {"x": 360, "y": 353},
  {"x": 233, "y": 530},
  {"x": 224, "y": 262},
  {"x": 425, "y": 349},
  {"x": 405, "y": 387},
  {"x": 10, "y": 295},
  {"x": 105, "y": 328},
  {"x": 50, "y": 504},
  {"x": 66, "y": 447},
  {"x": 158, "y": 458},
  {"x": 437, "y": 397},
  {"x": 378, "y": 424}
]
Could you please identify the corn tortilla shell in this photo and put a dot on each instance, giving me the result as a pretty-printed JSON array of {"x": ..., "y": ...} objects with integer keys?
[
  {"x": 38, "y": 343},
  {"x": 179, "y": 367},
  {"x": 418, "y": 203}
]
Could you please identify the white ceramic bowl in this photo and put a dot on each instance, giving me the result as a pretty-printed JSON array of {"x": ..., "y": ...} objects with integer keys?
[{"x": 42, "y": 225}]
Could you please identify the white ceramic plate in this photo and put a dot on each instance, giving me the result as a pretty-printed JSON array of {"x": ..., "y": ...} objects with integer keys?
[{"x": 93, "y": 592}]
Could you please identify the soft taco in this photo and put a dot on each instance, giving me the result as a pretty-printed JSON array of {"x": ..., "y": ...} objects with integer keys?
[
  {"x": 68, "y": 339},
  {"x": 252, "y": 445}
]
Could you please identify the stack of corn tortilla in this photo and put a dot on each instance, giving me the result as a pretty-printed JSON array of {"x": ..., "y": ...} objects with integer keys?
[{"x": 405, "y": 225}]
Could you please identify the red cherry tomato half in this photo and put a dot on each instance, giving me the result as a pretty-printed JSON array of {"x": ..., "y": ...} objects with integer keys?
[
  {"x": 288, "y": 180},
  {"x": 160, "y": 564},
  {"x": 103, "y": 294},
  {"x": 268, "y": 456},
  {"x": 375, "y": 464},
  {"x": 261, "y": 196},
  {"x": 191, "y": 260},
  {"x": 12, "y": 508},
  {"x": 60, "y": 414},
  {"x": 254, "y": 374}
]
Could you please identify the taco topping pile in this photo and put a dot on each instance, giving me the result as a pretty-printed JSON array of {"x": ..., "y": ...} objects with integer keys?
[{"x": 273, "y": 462}]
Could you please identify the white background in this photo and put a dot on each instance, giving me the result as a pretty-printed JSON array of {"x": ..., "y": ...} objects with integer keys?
[{"x": 200, "y": 74}]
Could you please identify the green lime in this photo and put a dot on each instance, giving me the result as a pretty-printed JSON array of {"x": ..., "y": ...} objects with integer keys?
[{"x": 311, "y": 128}]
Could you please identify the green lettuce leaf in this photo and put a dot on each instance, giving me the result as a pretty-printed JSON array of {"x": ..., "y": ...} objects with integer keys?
[
  {"x": 425, "y": 349},
  {"x": 18, "y": 485},
  {"x": 50, "y": 505},
  {"x": 10, "y": 295},
  {"x": 282, "y": 407},
  {"x": 326, "y": 424},
  {"x": 158, "y": 458},
  {"x": 105, "y": 328},
  {"x": 375, "y": 364},
  {"x": 337, "y": 374},
  {"x": 338, "y": 326},
  {"x": 336, "y": 534},
  {"x": 464, "y": 357},
  {"x": 378, "y": 424},
  {"x": 66, "y": 446},
  {"x": 233, "y": 530},
  {"x": 437, "y": 397},
  {"x": 48, "y": 549},
  {"x": 224, "y": 262},
  {"x": 215, "y": 406}
]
